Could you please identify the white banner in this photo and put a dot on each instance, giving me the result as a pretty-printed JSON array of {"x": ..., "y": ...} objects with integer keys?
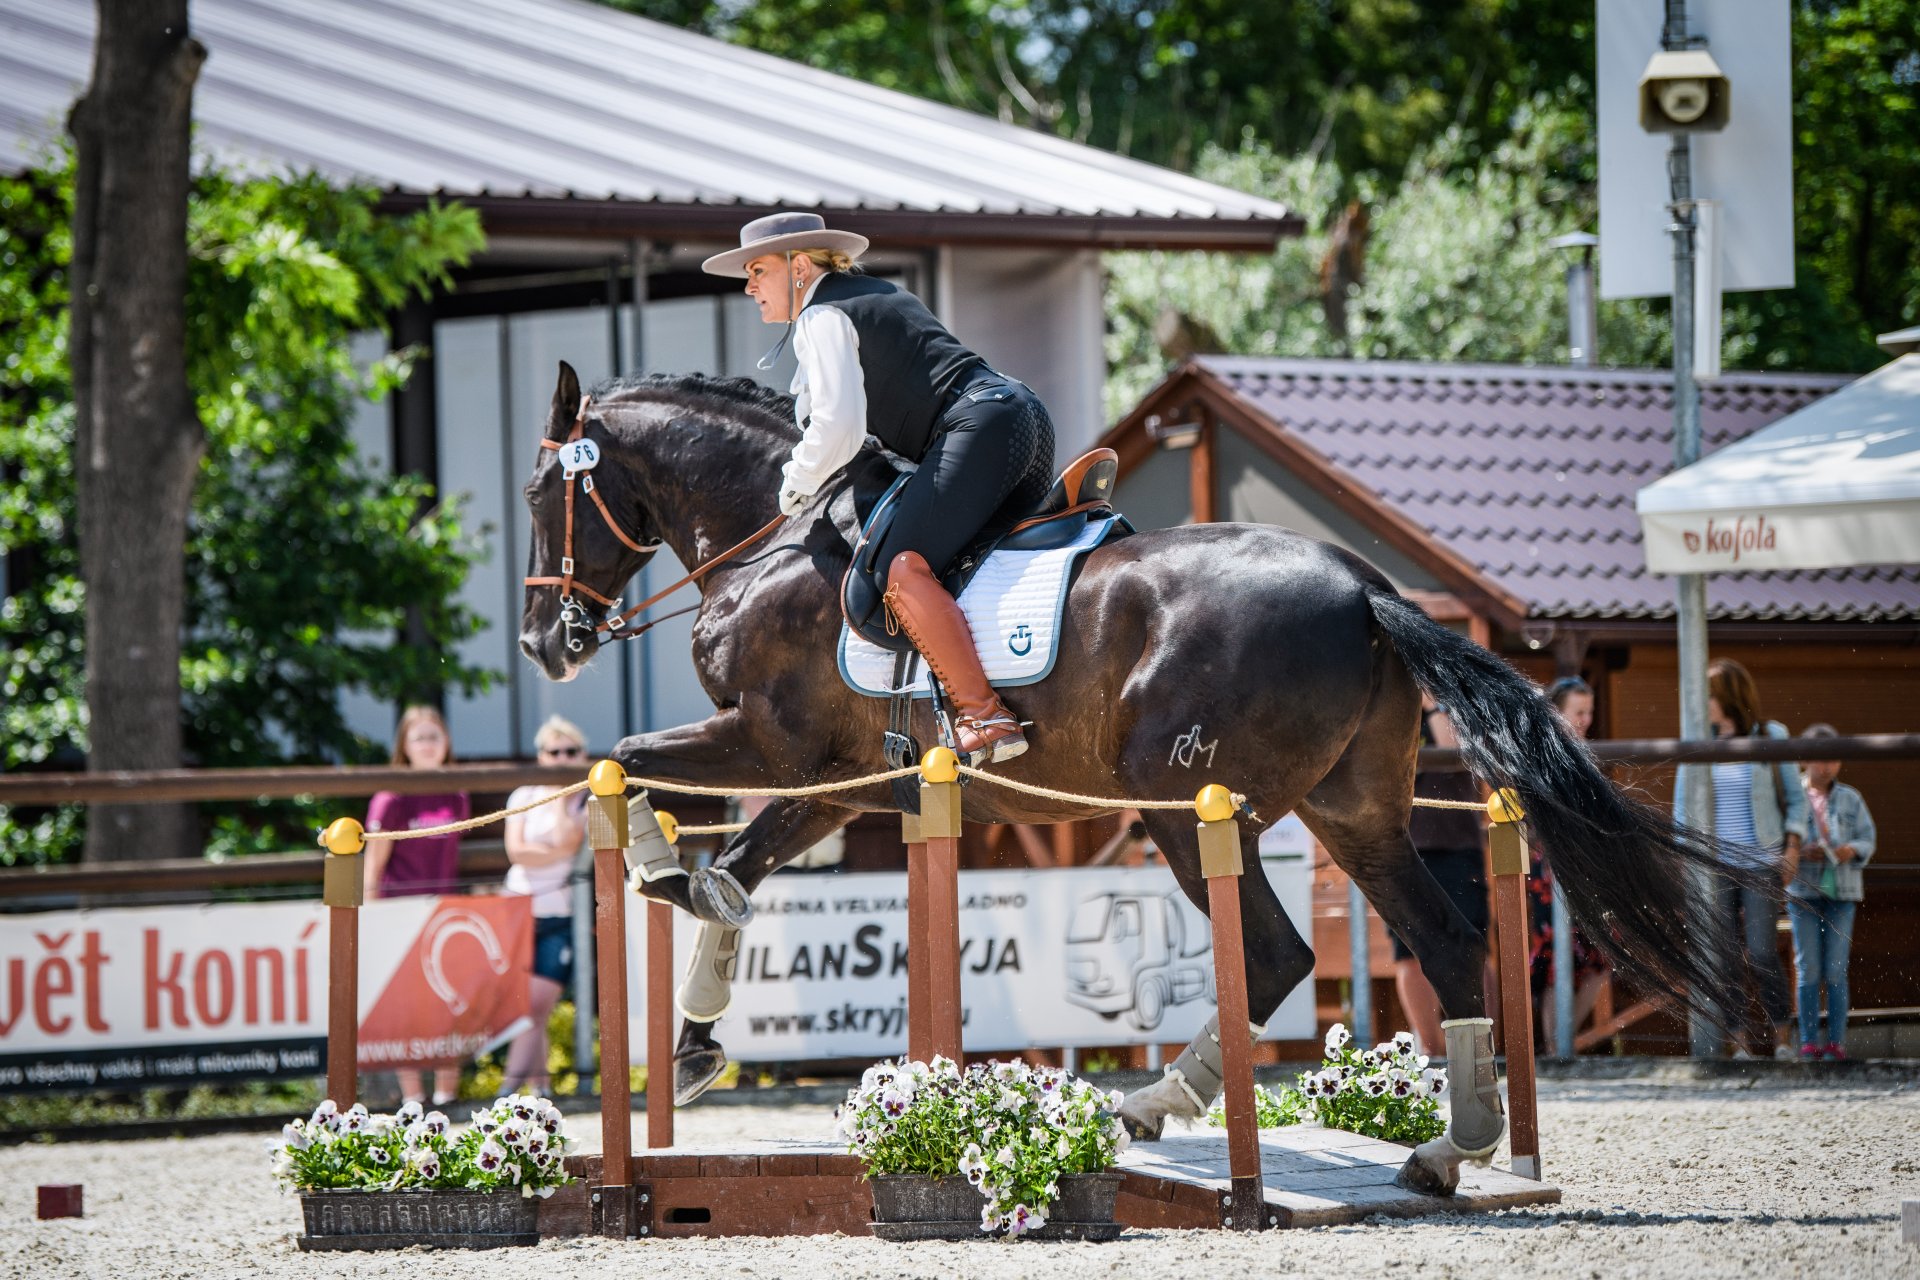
[
  {"x": 140, "y": 996},
  {"x": 1049, "y": 958}
]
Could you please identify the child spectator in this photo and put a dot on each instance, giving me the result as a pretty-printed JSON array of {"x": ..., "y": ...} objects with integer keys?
[
  {"x": 431, "y": 865},
  {"x": 1823, "y": 897}
]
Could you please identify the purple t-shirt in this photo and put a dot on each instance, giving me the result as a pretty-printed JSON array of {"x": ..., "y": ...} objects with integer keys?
[{"x": 430, "y": 865}]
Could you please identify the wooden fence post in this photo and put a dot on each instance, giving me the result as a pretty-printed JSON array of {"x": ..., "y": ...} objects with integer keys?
[
  {"x": 660, "y": 1008},
  {"x": 939, "y": 918},
  {"x": 1221, "y": 865},
  {"x": 1509, "y": 861},
  {"x": 343, "y": 889},
  {"x": 612, "y": 1200}
]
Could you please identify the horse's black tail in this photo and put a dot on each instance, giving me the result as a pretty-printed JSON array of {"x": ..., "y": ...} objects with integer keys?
[{"x": 1625, "y": 866}]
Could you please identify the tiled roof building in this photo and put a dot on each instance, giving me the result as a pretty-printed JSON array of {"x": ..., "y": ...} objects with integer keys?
[{"x": 1510, "y": 487}]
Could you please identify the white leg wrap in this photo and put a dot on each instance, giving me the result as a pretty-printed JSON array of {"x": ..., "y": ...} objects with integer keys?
[
  {"x": 1187, "y": 1087},
  {"x": 649, "y": 856},
  {"x": 1476, "y": 1120},
  {"x": 707, "y": 990}
]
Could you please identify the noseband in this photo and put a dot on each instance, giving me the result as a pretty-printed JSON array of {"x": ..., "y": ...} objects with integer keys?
[{"x": 572, "y": 613}]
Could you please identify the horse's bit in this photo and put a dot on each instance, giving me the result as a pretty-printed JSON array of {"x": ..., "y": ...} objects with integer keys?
[{"x": 578, "y": 457}]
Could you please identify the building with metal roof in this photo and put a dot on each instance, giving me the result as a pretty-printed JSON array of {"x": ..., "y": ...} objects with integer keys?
[
  {"x": 587, "y": 118},
  {"x": 607, "y": 155}
]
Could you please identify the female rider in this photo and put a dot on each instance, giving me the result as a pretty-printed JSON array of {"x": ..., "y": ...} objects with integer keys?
[{"x": 874, "y": 361}]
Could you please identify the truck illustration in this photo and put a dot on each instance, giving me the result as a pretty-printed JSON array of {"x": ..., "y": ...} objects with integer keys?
[{"x": 1136, "y": 954}]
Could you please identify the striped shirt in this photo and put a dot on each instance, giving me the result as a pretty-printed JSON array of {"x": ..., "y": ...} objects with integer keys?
[{"x": 1733, "y": 812}]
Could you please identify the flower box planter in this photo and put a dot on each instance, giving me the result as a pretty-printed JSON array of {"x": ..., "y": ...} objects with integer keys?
[
  {"x": 401, "y": 1219},
  {"x": 909, "y": 1206}
]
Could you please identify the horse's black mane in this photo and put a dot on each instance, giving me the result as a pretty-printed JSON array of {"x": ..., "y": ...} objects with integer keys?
[{"x": 700, "y": 391}]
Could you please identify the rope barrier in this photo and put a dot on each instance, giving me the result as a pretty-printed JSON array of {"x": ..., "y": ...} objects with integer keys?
[
  {"x": 1074, "y": 797},
  {"x": 772, "y": 793},
  {"x": 849, "y": 784},
  {"x": 469, "y": 824}
]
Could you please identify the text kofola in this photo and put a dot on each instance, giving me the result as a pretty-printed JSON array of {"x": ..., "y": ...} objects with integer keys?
[{"x": 1733, "y": 540}]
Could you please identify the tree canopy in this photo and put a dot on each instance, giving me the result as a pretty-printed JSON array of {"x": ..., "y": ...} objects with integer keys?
[
  {"x": 301, "y": 560},
  {"x": 1378, "y": 96}
]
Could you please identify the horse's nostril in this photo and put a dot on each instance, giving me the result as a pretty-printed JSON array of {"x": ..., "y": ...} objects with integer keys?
[{"x": 526, "y": 647}]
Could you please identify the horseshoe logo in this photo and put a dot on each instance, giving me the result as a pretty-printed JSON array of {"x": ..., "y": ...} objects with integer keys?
[
  {"x": 448, "y": 927},
  {"x": 1021, "y": 641}
]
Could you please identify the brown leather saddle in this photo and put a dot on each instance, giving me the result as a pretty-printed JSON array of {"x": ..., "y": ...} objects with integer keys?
[{"x": 1084, "y": 492}]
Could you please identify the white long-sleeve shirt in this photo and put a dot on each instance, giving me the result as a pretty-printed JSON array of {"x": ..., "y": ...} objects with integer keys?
[{"x": 830, "y": 396}]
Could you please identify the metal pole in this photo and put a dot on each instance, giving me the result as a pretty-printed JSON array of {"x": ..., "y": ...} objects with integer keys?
[
  {"x": 1360, "y": 951},
  {"x": 1690, "y": 615},
  {"x": 1562, "y": 975}
]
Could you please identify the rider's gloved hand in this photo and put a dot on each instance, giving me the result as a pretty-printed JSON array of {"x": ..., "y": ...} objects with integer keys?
[{"x": 793, "y": 502}]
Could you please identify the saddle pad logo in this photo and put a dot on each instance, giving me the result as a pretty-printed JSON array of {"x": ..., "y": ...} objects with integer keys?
[
  {"x": 1021, "y": 641},
  {"x": 578, "y": 456}
]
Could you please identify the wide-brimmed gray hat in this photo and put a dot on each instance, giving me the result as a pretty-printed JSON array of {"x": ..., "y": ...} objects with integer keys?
[{"x": 777, "y": 233}]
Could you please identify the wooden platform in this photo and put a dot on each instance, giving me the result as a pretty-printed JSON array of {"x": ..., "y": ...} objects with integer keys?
[{"x": 1314, "y": 1177}]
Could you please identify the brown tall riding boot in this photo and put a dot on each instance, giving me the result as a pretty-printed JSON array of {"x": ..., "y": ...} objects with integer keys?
[{"x": 986, "y": 730}]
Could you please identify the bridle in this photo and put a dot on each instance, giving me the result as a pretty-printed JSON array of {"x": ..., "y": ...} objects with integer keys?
[{"x": 614, "y": 624}]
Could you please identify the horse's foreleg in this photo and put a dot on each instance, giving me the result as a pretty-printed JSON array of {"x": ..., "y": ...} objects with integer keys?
[
  {"x": 704, "y": 995},
  {"x": 782, "y": 830},
  {"x": 716, "y": 752}
]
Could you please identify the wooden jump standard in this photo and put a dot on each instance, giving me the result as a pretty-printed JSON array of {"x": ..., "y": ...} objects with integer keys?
[{"x": 809, "y": 1189}]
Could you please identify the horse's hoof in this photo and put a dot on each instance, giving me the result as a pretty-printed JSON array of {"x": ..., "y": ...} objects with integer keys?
[
  {"x": 1141, "y": 1130},
  {"x": 695, "y": 1072},
  {"x": 715, "y": 896},
  {"x": 1426, "y": 1175}
]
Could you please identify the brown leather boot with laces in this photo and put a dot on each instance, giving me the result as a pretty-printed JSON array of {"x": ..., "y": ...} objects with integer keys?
[{"x": 986, "y": 731}]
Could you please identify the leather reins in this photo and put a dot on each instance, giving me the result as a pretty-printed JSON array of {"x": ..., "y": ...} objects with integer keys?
[{"x": 615, "y": 624}]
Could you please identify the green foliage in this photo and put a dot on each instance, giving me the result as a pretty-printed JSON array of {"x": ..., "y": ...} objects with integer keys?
[
  {"x": 1428, "y": 112},
  {"x": 1012, "y": 1130},
  {"x": 1387, "y": 1092},
  {"x": 302, "y": 562},
  {"x": 1272, "y": 1108},
  {"x": 516, "y": 1143}
]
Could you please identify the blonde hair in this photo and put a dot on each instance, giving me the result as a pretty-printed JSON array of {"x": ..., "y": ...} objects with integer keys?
[
  {"x": 831, "y": 259},
  {"x": 410, "y": 717},
  {"x": 559, "y": 727}
]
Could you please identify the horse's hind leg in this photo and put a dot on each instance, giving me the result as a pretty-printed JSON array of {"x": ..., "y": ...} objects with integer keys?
[
  {"x": 1277, "y": 960},
  {"x": 1359, "y": 812}
]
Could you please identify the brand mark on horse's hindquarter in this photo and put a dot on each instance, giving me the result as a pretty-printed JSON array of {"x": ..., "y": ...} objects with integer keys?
[
  {"x": 1021, "y": 641},
  {"x": 1188, "y": 746}
]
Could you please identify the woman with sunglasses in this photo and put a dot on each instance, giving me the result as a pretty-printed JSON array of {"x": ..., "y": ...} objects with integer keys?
[{"x": 543, "y": 844}]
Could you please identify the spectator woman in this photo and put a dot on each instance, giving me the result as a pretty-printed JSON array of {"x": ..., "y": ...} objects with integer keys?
[
  {"x": 1823, "y": 897},
  {"x": 543, "y": 844},
  {"x": 1759, "y": 812},
  {"x": 429, "y": 865},
  {"x": 1572, "y": 698}
]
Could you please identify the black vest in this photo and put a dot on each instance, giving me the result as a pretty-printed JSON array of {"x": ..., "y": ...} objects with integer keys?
[{"x": 908, "y": 360}]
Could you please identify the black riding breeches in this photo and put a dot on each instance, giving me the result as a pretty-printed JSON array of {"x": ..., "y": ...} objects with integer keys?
[{"x": 991, "y": 464}]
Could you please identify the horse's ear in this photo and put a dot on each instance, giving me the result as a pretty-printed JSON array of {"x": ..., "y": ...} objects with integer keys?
[{"x": 566, "y": 403}]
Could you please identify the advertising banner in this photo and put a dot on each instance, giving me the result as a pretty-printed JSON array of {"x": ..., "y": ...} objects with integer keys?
[
  {"x": 127, "y": 998},
  {"x": 1049, "y": 958}
]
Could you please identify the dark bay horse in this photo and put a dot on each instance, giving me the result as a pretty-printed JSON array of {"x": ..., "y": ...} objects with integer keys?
[{"x": 1294, "y": 660}]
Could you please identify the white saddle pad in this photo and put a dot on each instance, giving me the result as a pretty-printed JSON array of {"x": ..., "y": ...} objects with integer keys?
[{"x": 1013, "y": 605}]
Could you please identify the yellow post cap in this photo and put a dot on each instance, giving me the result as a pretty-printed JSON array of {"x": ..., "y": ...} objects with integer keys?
[
  {"x": 343, "y": 836},
  {"x": 607, "y": 778},
  {"x": 669, "y": 825},
  {"x": 1214, "y": 803},
  {"x": 1504, "y": 806},
  {"x": 940, "y": 765}
]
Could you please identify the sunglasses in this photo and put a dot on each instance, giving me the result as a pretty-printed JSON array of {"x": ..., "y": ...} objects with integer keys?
[{"x": 565, "y": 753}]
